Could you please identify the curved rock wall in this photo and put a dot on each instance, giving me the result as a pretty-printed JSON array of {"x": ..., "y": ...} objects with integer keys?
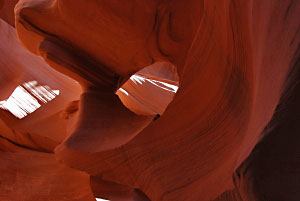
[{"x": 221, "y": 138}]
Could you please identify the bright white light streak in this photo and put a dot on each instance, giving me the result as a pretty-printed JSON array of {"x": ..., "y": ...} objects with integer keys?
[
  {"x": 43, "y": 93},
  {"x": 137, "y": 79},
  {"x": 123, "y": 91},
  {"x": 169, "y": 87},
  {"x": 99, "y": 199},
  {"x": 173, "y": 87},
  {"x": 21, "y": 103}
]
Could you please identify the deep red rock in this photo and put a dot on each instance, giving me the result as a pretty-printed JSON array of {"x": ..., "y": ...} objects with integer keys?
[{"x": 236, "y": 62}]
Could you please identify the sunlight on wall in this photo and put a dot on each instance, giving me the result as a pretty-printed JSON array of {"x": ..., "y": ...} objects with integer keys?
[
  {"x": 27, "y": 98},
  {"x": 147, "y": 95},
  {"x": 169, "y": 87},
  {"x": 43, "y": 93},
  {"x": 99, "y": 199},
  {"x": 139, "y": 80}
]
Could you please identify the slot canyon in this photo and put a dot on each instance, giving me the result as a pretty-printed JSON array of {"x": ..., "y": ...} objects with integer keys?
[{"x": 150, "y": 100}]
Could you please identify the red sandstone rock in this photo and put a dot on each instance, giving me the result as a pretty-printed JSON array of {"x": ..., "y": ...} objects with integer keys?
[
  {"x": 7, "y": 11},
  {"x": 29, "y": 175},
  {"x": 150, "y": 90},
  {"x": 235, "y": 61},
  {"x": 45, "y": 128}
]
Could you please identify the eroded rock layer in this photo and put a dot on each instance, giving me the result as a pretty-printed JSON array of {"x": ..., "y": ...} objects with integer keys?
[{"x": 230, "y": 133}]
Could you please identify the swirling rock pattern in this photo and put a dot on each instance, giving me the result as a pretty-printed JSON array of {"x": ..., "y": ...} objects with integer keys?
[{"x": 230, "y": 133}]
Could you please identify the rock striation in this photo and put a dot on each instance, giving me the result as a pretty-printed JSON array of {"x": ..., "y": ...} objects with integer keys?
[{"x": 229, "y": 133}]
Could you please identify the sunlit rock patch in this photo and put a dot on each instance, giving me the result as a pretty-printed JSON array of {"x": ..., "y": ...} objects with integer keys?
[
  {"x": 99, "y": 199},
  {"x": 27, "y": 98},
  {"x": 151, "y": 90}
]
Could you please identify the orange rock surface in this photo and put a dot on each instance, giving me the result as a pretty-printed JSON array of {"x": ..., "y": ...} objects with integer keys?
[{"x": 229, "y": 134}]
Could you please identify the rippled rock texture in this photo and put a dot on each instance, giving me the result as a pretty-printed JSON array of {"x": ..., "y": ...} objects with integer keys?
[{"x": 114, "y": 127}]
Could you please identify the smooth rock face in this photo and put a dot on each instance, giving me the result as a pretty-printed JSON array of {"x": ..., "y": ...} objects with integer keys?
[
  {"x": 45, "y": 128},
  {"x": 7, "y": 11},
  {"x": 150, "y": 90},
  {"x": 11, "y": 69},
  {"x": 30, "y": 175},
  {"x": 230, "y": 133},
  {"x": 272, "y": 170}
]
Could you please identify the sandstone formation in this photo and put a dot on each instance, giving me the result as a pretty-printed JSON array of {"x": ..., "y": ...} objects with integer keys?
[
  {"x": 40, "y": 129},
  {"x": 117, "y": 131}
]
